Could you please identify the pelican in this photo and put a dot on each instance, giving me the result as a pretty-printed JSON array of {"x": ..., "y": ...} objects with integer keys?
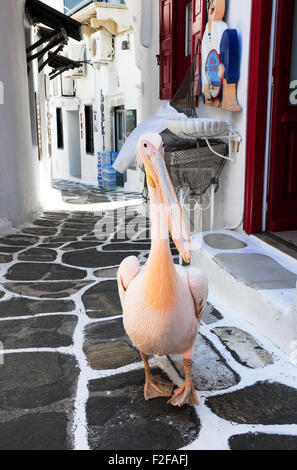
[{"x": 163, "y": 303}]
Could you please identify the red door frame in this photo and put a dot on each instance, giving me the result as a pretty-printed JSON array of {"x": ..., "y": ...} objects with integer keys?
[{"x": 256, "y": 114}]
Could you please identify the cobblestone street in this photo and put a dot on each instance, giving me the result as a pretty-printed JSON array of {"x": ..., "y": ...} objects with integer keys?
[{"x": 70, "y": 377}]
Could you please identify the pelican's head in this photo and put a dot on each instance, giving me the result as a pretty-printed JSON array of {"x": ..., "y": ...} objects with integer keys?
[{"x": 151, "y": 155}]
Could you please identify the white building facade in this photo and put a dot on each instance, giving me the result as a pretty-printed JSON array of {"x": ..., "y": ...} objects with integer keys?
[{"x": 100, "y": 103}]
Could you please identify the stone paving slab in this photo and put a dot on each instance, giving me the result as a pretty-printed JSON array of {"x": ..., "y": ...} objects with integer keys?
[
  {"x": 120, "y": 419},
  {"x": 97, "y": 300},
  {"x": 40, "y": 231},
  {"x": 110, "y": 273},
  {"x": 115, "y": 353},
  {"x": 10, "y": 249},
  {"x": 19, "y": 240},
  {"x": 47, "y": 222},
  {"x": 263, "y": 403},
  {"x": 221, "y": 241},
  {"x": 38, "y": 254},
  {"x": 258, "y": 271},
  {"x": 111, "y": 355},
  {"x": 39, "y": 431},
  {"x": 261, "y": 441},
  {"x": 34, "y": 380},
  {"x": 60, "y": 240},
  {"x": 45, "y": 272},
  {"x": 22, "y": 306},
  {"x": 46, "y": 290},
  {"x": 5, "y": 259},
  {"x": 243, "y": 347},
  {"x": 210, "y": 371},
  {"x": 81, "y": 245},
  {"x": 99, "y": 332},
  {"x": 127, "y": 247},
  {"x": 95, "y": 259},
  {"x": 41, "y": 332}
]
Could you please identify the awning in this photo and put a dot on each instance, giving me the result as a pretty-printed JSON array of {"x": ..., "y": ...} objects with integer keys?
[
  {"x": 60, "y": 64},
  {"x": 39, "y": 12},
  {"x": 56, "y": 31}
]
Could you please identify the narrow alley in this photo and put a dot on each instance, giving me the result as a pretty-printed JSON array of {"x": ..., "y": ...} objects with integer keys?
[{"x": 71, "y": 379}]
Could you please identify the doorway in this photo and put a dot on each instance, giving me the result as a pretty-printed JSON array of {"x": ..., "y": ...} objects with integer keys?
[
  {"x": 74, "y": 152},
  {"x": 120, "y": 127},
  {"x": 277, "y": 166},
  {"x": 282, "y": 192}
]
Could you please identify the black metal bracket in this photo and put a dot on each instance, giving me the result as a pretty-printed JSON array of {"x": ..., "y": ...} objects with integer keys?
[
  {"x": 57, "y": 38},
  {"x": 43, "y": 64}
]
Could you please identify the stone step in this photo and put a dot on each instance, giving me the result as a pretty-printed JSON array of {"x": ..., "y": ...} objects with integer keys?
[{"x": 255, "y": 279}]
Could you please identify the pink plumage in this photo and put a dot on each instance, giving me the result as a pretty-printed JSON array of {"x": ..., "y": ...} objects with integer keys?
[{"x": 163, "y": 303}]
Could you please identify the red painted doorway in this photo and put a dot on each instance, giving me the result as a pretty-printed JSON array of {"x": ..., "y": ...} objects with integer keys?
[{"x": 282, "y": 194}]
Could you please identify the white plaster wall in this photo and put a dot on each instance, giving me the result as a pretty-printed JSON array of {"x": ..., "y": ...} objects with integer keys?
[
  {"x": 146, "y": 56},
  {"x": 230, "y": 197},
  {"x": 23, "y": 179}
]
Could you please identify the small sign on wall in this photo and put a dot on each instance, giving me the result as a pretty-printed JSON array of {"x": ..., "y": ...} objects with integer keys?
[
  {"x": 38, "y": 125},
  {"x": 220, "y": 60},
  {"x": 131, "y": 121}
]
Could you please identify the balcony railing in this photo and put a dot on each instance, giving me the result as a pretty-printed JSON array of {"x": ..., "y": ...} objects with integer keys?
[{"x": 72, "y": 6}]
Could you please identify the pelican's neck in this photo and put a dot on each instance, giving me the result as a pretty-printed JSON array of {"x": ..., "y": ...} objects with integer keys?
[
  {"x": 160, "y": 273},
  {"x": 159, "y": 222}
]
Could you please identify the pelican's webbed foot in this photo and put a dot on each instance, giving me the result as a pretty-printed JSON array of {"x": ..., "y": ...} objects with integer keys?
[
  {"x": 156, "y": 386},
  {"x": 186, "y": 395}
]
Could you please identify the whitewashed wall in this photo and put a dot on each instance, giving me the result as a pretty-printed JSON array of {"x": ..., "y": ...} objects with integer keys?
[
  {"x": 146, "y": 56},
  {"x": 230, "y": 197},
  {"x": 23, "y": 179}
]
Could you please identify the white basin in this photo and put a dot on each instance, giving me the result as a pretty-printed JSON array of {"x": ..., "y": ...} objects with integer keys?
[{"x": 199, "y": 128}]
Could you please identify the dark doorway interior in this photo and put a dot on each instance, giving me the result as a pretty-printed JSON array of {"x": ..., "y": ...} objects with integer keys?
[
  {"x": 89, "y": 130},
  {"x": 60, "y": 130},
  {"x": 120, "y": 127},
  {"x": 183, "y": 40}
]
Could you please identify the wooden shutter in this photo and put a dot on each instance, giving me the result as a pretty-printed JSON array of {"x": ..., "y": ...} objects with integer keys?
[
  {"x": 199, "y": 20},
  {"x": 166, "y": 49}
]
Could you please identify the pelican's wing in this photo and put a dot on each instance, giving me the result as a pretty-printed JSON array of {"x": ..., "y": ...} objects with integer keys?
[
  {"x": 199, "y": 289},
  {"x": 128, "y": 270}
]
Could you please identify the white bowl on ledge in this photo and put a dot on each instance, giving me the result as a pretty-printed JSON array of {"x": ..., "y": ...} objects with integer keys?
[{"x": 199, "y": 128}]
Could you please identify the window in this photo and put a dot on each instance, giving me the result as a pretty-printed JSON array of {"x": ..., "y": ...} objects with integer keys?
[
  {"x": 120, "y": 131},
  {"x": 189, "y": 21},
  {"x": 60, "y": 132},
  {"x": 89, "y": 129}
]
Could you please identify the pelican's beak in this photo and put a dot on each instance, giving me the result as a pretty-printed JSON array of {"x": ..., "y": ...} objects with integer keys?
[{"x": 158, "y": 177}]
